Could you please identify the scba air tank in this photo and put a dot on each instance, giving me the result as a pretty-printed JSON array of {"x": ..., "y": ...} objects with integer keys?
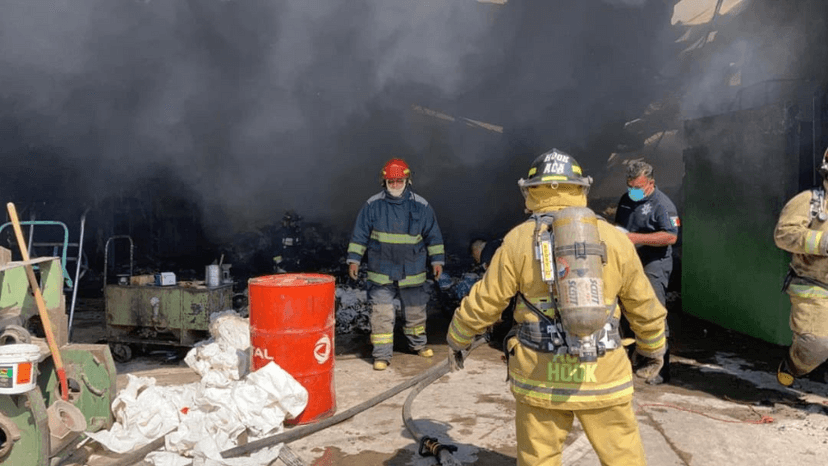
[{"x": 579, "y": 262}]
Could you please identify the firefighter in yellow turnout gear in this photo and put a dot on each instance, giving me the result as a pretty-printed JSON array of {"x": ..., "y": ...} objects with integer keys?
[
  {"x": 802, "y": 230},
  {"x": 553, "y": 387}
]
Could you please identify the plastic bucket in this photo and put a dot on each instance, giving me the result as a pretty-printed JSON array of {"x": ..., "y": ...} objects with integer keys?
[
  {"x": 18, "y": 368},
  {"x": 292, "y": 323}
]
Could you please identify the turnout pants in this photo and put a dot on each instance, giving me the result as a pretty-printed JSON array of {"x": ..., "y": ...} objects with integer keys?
[
  {"x": 612, "y": 431},
  {"x": 413, "y": 301},
  {"x": 809, "y": 323}
]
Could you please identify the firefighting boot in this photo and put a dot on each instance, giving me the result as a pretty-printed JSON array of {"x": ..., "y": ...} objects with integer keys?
[
  {"x": 425, "y": 353},
  {"x": 380, "y": 365},
  {"x": 784, "y": 375}
]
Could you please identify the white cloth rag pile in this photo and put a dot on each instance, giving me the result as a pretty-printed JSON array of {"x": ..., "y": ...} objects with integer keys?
[{"x": 213, "y": 415}]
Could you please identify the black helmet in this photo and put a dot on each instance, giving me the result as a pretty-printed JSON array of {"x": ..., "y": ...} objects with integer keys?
[
  {"x": 291, "y": 218},
  {"x": 554, "y": 167}
]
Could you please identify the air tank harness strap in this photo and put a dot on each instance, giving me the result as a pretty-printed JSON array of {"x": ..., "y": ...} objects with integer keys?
[
  {"x": 817, "y": 210},
  {"x": 584, "y": 249},
  {"x": 792, "y": 275},
  {"x": 548, "y": 336}
]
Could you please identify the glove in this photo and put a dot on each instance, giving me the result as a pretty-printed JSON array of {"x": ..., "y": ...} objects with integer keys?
[
  {"x": 456, "y": 355},
  {"x": 648, "y": 367},
  {"x": 456, "y": 358},
  {"x": 353, "y": 270}
]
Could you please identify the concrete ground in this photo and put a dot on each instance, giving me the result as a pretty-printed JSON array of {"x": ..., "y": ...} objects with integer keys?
[
  {"x": 681, "y": 423},
  {"x": 722, "y": 407}
]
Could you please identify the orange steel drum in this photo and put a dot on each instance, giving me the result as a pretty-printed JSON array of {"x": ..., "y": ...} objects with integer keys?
[{"x": 292, "y": 323}]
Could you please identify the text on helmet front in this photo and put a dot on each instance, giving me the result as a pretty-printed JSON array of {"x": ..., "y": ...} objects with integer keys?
[
  {"x": 556, "y": 157},
  {"x": 556, "y": 168}
]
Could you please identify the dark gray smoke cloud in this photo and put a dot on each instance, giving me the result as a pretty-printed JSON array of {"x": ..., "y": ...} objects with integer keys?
[
  {"x": 751, "y": 54},
  {"x": 255, "y": 107},
  {"x": 630, "y": 3}
]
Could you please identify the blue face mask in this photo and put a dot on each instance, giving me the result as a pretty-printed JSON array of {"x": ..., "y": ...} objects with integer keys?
[{"x": 636, "y": 194}]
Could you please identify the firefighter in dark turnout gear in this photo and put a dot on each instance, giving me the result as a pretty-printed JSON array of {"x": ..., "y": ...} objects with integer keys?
[
  {"x": 397, "y": 233},
  {"x": 801, "y": 230},
  {"x": 551, "y": 385},
  {"x": 288, "y": 243}
]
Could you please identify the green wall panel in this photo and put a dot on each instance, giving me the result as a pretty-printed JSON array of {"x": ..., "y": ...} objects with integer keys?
[{"x": 739, "y": 173}]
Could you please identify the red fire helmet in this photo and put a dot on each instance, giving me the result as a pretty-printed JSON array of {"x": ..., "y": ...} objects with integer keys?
[{"x": 395, "y": 169}]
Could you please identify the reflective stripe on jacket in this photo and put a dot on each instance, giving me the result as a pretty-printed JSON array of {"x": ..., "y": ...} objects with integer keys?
[
  {"x": 804, "y": 239},
  {"x": 397, "y": 236},
  {"x": 561, "y": 381}
]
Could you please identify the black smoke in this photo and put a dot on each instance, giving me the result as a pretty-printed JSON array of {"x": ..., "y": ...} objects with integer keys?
[{"x": 249, "y": 108}]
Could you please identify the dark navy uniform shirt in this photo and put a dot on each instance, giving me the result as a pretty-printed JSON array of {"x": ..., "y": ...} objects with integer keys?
[{"x": 655, "y": 212}]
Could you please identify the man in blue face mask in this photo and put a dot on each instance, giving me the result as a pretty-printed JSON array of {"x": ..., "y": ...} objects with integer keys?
[{"x": 652, "y": 224}]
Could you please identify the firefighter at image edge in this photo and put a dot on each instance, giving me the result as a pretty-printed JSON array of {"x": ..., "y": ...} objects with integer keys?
[
  {"x": 550, "y": 384},
  {"x": 397, "y": 231},
  {"x": 801, "y": 230}
]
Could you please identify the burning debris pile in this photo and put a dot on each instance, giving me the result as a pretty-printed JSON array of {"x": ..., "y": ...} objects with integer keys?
[
  {"x": 352, "y": 311},
  {"x": 454, "y": 289},
  {"x": 318, "y": 249}
]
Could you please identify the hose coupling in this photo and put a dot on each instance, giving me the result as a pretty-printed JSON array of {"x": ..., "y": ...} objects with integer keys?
[{"x": 430, "y": 446}]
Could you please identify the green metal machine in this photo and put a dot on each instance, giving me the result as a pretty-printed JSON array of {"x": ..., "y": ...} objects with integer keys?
[
  {"x": 142, "y": 310},
  {"x": 39, "y": 427}
]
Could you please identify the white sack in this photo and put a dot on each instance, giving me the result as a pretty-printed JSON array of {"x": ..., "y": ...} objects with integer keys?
[
  {"x": 208, "y": 416},
  {"x": 143, "y": 412}
]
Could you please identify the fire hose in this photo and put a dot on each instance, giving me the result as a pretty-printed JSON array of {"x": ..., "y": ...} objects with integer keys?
[
  {"x": 431, "y": 446},
  {"x": 423, "y": 379},
  {"x": 428, "y": 445}
]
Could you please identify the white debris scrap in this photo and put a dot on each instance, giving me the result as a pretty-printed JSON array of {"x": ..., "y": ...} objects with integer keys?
[
  {"x": 207, "y": 417},
  {"x": 143, "y": 412},
  {"x": 228, "y": 328}
]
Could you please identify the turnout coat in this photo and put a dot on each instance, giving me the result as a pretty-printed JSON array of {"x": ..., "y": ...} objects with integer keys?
[
  {"x": 397, "y": 236},
  {"x": 547, "y": 380}
]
